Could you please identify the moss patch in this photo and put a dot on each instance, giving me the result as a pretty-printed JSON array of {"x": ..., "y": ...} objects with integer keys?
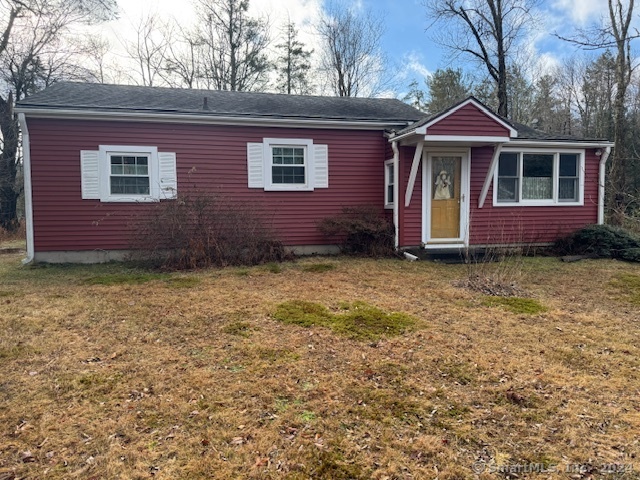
[
  {"x": 519, "y": 305},
  {"x": 629, "y": 285},
  {"x": 318, "y": 267},
  {"x": 357, "y": 320},
  {"x": 133, "y": 278}
]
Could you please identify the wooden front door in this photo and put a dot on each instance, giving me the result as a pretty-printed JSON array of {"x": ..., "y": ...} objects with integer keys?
[{"x": 445, "y": 176}]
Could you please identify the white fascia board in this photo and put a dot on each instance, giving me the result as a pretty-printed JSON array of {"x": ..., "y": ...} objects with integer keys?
[
  {"x": 512, "y": 131},
  {"x": 561, "y": 144},
  {"x": 466, "y": 138},
  {"x": 204, "y": 119}
]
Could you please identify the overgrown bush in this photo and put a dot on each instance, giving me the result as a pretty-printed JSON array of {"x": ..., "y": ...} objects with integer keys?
[
  {"x": 360, "y": 230},
  {"x": 201, "y": 230},
  {"x": 602, "y": 241}
]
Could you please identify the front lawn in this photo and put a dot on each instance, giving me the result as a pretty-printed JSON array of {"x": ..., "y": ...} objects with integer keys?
[{"x": 328, "y": 368}]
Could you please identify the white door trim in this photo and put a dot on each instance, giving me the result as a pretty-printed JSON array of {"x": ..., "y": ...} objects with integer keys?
[{"x": 465, "y": 173}]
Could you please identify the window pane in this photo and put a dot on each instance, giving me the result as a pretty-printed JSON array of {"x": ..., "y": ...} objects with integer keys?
[
  {"x": 288, "y": 175},
  {"x": 287, "y": 156},
  {"x": 568, "y": 165},
  {"x": 130, "y": 185},
  {"x": 537, "y": 181},
  {"x": 508, "y": 166},
  {"x": 389, "y": 193},
  {"x": 507, "y": 189},
  {"x": 390, "y": 178},
  {"x": 537, "y": 165},
  {"x": 568, "y": 189}
]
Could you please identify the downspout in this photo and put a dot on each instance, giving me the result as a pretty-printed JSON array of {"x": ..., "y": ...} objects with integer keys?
[
  {"x": 28, "y": 204},
  {"x": 396, "y": 191},
  {"x": 601, "y": 184}
]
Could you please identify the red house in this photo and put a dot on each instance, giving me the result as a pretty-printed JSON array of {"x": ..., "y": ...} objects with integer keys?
[{"x": 95, "y": 155}]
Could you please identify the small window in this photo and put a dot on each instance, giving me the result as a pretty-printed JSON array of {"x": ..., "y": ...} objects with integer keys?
[
  {"x": 288, "y": 165},
  {"x": 129, "y": 174},
  {"x": 389, "y": 182}
]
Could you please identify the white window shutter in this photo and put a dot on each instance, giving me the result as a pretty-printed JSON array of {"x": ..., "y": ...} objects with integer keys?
[
  {"x": 168, "y": 175},
  {"x": 321, "y": 166},
  {"x": 255, "y": 165},
  {"x": 90, "y": 174}
]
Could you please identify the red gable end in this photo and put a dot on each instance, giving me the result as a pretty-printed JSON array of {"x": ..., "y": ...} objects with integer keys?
[{"x": 468, "y": 120}]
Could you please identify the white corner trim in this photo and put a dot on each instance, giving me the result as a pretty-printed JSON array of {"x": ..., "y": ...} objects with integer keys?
[
  {"x": 601, "y": 184},
  {"x": 490, "y": 174},
  {"x": 417, "y": 156},
  {"x": 28, "y": 199},
  {"x": 513, "y": 133},
  {"x": 396, "y": 191}
]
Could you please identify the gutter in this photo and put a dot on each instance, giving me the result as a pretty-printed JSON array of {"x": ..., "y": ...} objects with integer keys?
[
  {"x": 207, "y": 119},
  {"x": 601, "y": 184},
  {"x": 28, "y": 203}
]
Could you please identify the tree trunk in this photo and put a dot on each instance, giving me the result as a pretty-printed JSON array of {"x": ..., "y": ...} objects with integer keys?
[{"x": 9, "y": 192}]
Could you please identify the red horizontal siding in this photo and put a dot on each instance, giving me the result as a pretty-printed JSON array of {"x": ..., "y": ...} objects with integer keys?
[
  {"x": 495, "y": 225},
  {"x": 411, "y": 215},
  {"x": 212, "y": 158},
  {"x": 468, "y": 120}
]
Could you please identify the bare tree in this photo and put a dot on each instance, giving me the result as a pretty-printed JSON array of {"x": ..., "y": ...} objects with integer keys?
[
  {"x": 487, "y": 31},
  {"x": 351, "y": 59},
  {"x": 293, "y": 63},
  {"x": 149, "y": 50},
  {"x": 184, "y": 64},
  {"x": 235, "y": 45},
  {"x": 615, "y": 32},
  {"x": 33, "y": 54}
]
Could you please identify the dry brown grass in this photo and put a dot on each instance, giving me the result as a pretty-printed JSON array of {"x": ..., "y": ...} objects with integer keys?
[{"x": 186, "y": 376}]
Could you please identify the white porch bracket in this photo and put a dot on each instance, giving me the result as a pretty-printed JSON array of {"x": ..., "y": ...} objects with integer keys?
[
  {"x": 414, "y": 173},
  {"x": 490, "y": 173}
]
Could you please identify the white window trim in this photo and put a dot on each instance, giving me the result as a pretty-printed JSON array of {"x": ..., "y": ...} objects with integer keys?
[
  {"x": 554, "y": 202},
  {"x": 269, "y": 143},
  {"x": 388, "y": 164},
  {"x": 105, "y": 151}
]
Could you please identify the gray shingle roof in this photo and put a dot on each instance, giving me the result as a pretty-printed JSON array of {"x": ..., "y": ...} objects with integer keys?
[{"x": 126, "y": 98}]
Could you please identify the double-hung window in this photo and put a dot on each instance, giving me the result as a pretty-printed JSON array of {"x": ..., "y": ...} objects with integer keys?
[
  {"x": 287, "y": 164},
  {"x": 539, "y": 178},
  {"x": 129, "y": 174}
]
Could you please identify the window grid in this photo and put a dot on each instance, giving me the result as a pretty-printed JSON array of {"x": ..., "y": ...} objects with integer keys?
[
  {"x": 288, "y": 165},
  {"x": 129, "y": 174}
]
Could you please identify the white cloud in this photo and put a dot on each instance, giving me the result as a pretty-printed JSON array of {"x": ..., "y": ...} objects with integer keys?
[{"x": 582, "y": 11}]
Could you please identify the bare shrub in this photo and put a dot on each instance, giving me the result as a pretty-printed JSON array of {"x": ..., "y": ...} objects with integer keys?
[
  {"x": 497, "y": 268},
  {"x": 19, "y": 233},
  {"x": 360, "y": 230},
  {"x": 200, "y": 230}
]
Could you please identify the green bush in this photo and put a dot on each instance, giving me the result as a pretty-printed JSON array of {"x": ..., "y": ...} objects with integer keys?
[
  {"x": 361, "y": 230},
  {"x": 601, "y": 241}
]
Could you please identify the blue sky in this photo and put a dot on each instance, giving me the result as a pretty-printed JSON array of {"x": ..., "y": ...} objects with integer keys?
[{"x": 405, "y": 40}]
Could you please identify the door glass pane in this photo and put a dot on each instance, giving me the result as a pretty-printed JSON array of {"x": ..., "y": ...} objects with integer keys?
[{"x": 444, "y": 177}]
